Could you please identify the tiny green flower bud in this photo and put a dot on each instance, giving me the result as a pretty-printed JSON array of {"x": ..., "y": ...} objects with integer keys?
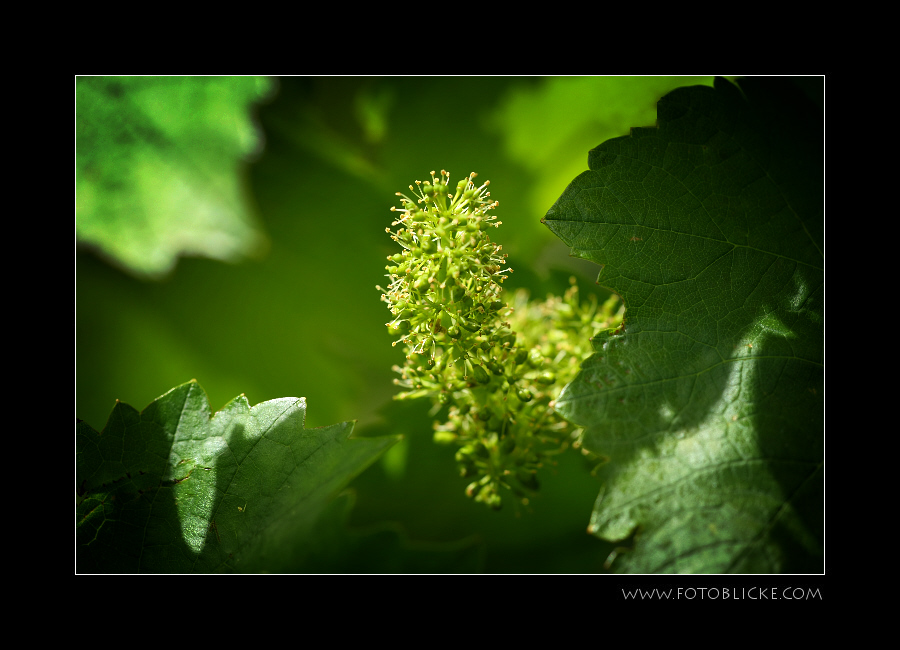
[
  {"x": 480, "y": 375},
  {"x": 470, "y": 325},
  {"x": 489, "y": 496},
  {"x": 400, "y": 328}
]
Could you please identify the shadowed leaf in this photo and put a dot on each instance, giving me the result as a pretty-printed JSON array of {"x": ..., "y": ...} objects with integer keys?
[
  {"x": 175, "y": 489},
  {"x": 709, "y": 403}
]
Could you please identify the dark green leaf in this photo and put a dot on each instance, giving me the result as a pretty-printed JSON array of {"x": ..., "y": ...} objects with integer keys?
[
  {"x": 174, "y": 489},
  {"x": 709, "y": 403}
]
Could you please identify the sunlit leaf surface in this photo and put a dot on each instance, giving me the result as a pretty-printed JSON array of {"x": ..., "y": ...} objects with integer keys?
[
  {"x": 158, "y": 168},
  {"x": 176, "y": 489}
]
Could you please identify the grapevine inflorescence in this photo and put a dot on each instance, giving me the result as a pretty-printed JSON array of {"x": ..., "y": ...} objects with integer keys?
[{"x": 495, "y": 360}]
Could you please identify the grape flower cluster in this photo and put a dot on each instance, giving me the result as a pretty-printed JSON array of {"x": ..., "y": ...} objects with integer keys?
[{"x": 491, "y": 361}]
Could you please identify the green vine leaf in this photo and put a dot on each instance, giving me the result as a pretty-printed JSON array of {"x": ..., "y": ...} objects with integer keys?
[
  {"x": 157, "y": 168},
  {"x": 709, "y": 403},
  {"x": 174, "y": 489}
]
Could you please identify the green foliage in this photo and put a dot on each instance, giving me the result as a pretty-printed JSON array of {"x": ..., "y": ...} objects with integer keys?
[
  {"x": 300, "y": 320},
  {"x": 709, "y": 404},
  {"x": 303, "y": 320},
  {"x": 157, "y": 162},
  {"x": 542, "y": 123},
  {"x": 174, "y": 489}
]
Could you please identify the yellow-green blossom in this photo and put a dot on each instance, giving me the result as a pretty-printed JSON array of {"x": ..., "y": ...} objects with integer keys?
[{"x": 495, "y": 360}]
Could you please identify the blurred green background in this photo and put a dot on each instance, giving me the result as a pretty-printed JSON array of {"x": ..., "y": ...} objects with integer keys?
[{"x": 232, "y": 230}]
